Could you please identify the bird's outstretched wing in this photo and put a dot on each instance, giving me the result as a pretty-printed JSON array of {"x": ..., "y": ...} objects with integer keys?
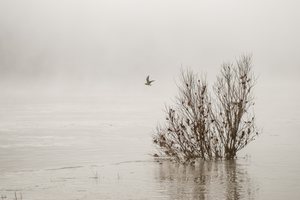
[{"x": 147, "y": 79}]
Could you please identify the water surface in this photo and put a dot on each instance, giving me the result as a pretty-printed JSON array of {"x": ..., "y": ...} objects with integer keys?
[{"x": 100, "y": 148}]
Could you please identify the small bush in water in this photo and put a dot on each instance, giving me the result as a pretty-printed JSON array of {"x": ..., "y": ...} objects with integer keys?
[{"x": 210, "y": 126}]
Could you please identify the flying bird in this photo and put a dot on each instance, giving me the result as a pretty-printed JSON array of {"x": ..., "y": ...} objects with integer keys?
[{"x": 148, "y": 82}]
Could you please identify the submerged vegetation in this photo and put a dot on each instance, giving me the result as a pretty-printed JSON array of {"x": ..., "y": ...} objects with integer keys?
[{"x": 210, "y": 125}]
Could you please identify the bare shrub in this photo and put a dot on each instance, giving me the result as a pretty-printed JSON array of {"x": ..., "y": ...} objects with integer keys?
[
  {"x": 186, "y": 133},
  {"x": 233, "y": 117},
  {"x": 196, "y": 127}
]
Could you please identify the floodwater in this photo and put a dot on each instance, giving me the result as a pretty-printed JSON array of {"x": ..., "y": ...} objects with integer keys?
[{"x": 100, "y": 148}]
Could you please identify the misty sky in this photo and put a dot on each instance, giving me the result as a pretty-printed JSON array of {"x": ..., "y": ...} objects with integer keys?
[{"x": 112, "y": 42}]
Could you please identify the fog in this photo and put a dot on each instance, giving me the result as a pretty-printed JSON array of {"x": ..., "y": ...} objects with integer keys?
[
  {"x": 109, "y": 44},
  {"x": 77, "y": 120}
]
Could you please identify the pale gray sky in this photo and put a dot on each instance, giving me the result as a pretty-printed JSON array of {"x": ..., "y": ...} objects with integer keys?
[{"x": 109, "y": 41}]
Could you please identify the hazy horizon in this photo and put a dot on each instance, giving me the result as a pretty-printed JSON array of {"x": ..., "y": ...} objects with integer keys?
[{"x": 109, "y": 44}]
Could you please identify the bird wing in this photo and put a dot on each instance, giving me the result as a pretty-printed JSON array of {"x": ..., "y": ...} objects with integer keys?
[
  {"x": 151, "y": 81},
  {"x": 147, "y": 79}
]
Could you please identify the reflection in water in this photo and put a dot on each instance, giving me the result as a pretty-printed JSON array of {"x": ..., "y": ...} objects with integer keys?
[{"x": 205, "y": 180}]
